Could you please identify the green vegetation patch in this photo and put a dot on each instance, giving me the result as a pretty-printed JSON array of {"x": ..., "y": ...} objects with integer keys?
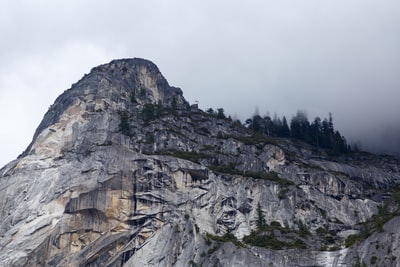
[
  {"x": 228, "y": 237},
  {"x": 270, "y": 176},
  {"x": 265, "y": 237},
  {"x": 376, "y": 222},
  {"x": 255, "y": 139},
  {"x": 188, "y": 155}
]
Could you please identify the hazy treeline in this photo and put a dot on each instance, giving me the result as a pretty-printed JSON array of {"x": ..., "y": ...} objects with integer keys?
[{"x": 320, "y": 132}]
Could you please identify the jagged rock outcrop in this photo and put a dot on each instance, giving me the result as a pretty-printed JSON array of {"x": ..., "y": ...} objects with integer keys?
[{"x": 122, "y": 171}]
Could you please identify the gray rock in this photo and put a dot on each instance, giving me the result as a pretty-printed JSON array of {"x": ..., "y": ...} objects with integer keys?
[{"x": 123, "y": 172}]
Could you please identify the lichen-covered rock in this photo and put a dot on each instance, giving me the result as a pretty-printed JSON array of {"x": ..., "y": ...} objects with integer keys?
[{"x": 122, "y": 171}]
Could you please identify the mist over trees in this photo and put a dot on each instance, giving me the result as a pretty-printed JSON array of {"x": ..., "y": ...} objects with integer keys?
[{"x": 320, "y": 132}]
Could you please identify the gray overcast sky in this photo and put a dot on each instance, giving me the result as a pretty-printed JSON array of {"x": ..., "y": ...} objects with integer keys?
[{"x": 338, "y": 56}]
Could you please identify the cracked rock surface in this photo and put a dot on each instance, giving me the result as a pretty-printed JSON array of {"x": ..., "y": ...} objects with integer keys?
[{"x": 122, "y": 171}]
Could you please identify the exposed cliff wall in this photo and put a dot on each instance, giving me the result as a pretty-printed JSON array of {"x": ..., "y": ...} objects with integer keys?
[{"x": 123, "y": 172}]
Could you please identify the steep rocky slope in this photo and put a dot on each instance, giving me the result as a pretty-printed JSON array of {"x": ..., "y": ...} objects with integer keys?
[{"x": 122, "y": 171}]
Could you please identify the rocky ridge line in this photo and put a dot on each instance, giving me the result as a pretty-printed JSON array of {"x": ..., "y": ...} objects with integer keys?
[{"x": 122, "y": 171}]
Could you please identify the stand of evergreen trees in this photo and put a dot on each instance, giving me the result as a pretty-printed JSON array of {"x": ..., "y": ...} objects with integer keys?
[{"x": 320, "y": 133}]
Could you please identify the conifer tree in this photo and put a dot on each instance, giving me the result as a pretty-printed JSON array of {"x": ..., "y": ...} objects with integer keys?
[
  {"x": 315, "y": 129},
  {"x": 260, "y": 217},
  {"x": 284, "y": 131},
  {"x": 220, "y": 113}
]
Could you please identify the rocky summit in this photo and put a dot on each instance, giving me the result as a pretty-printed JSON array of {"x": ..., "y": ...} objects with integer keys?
[{"x": 123, "y": 171}]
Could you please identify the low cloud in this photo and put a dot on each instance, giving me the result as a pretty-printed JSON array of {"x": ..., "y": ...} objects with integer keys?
[{"x": 340, "y": 57}]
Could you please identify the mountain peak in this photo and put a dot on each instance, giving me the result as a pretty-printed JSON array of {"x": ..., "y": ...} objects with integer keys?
[
  {"x": 139, "y": 77},
  {"x": 96, "y": 101},
  {"x": 124, "y": 63},
  {"x": 122, "y": 172}
]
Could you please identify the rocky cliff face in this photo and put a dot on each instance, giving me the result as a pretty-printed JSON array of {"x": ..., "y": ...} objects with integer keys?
[{"x": 122, "y": 171}]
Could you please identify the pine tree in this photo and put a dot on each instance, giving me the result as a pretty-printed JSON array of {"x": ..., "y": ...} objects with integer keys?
[
  {"x": 210, "y": 111},
  {"x": 300, "y": 126},
  {"x": 269, "y": 126},
  {"x": 315, "y": 129},
  {"x": 258, "y": 124},
  {"x": 220, "y": 113},
  {"x": 284, "y": 131},
  {"x": 261, "y": 223},
  {"x": 326, "y": 135}
]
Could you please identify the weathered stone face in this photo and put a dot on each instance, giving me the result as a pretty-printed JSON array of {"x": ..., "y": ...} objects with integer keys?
[{"x": 122, "y": 172}]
